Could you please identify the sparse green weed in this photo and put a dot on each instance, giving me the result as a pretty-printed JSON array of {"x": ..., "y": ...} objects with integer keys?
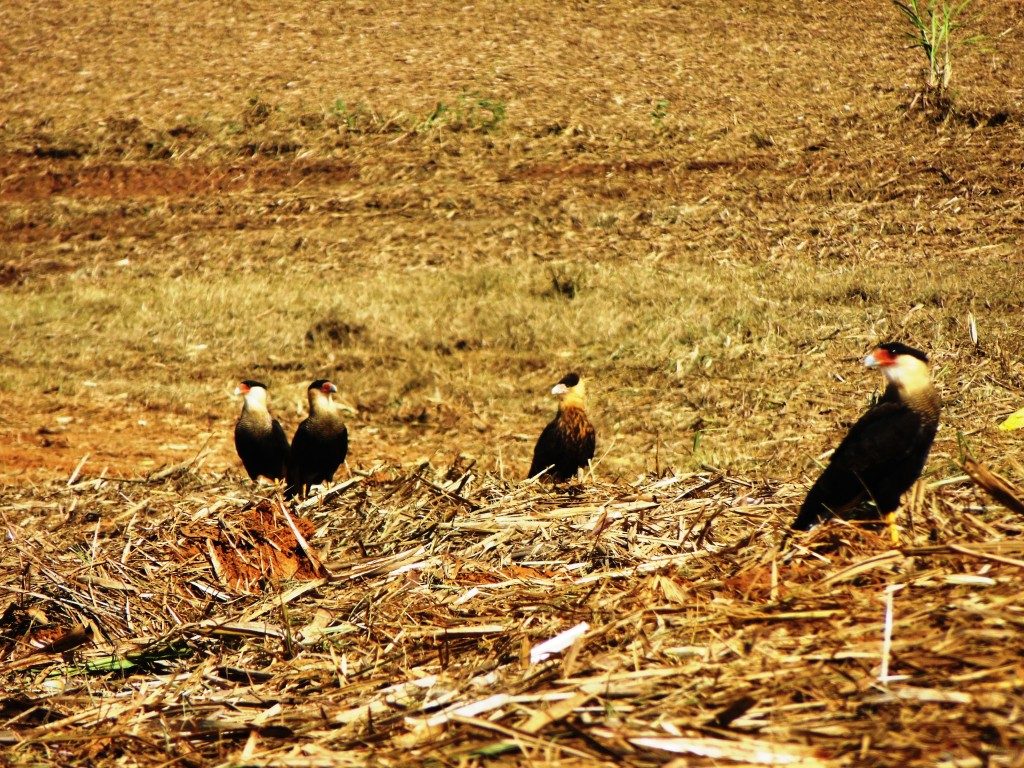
[
  {"x": 434, "y": 118},
  {"x": 355, "y": 118},
  {"x": 933, "y": 23},
  {"x": 473, "y": 112},
  {"x": 659, "y": 111},
  {"x": 488, "y": 113}
]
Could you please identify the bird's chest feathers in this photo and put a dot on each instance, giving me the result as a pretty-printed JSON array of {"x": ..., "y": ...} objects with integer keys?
[
  {"x": 927, "y": 404},
  {"x": 257, "y": 421},
  {"x": 326, "y": 422},
  {"x": 573, "y": 424}
]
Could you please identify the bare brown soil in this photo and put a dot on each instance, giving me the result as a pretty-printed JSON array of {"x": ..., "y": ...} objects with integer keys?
[
  {"x": 710, "y": 137},
  {"x": 39, "y": 447},
  {"x": 30, "y": 179}
]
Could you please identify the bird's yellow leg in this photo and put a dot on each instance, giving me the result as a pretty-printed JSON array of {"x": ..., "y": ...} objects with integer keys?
[{"x": 894, "y": 529}]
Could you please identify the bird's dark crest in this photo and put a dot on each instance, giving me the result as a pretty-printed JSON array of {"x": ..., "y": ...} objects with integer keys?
[
  {"x": 319, "y": 383},
  {"x": 250, "y": 383},
  {"x": 571, "y": 379},
  {"x": 897, "y": 348}
]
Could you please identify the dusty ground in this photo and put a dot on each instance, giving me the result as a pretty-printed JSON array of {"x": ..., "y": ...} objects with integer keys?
[{"x": 752, "y": 169}]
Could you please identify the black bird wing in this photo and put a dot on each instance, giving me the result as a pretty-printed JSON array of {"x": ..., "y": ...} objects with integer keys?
[
  {"x": 566, "y": 444},
  {"x": 281, "y": 449},
  {"x": 301, "y": 456},
  {"x": 262, "y": 453},
  {"x": 248, "y": 448},
  {"x": 340, "y": 450},
  {"x": 546, "y": 452},
  {"x": 880, "y": 457},
  {"x": 589, "y": 443},
  {"x": 316, "y": 453}
]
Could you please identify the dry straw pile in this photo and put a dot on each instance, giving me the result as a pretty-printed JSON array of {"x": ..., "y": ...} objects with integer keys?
[{"x": 442, "y": 617}]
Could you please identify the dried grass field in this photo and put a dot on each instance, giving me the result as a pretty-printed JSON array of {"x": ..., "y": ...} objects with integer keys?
[{"x": 711, "y": 210}]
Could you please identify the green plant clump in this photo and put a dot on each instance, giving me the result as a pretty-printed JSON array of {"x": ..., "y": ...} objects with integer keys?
[{"x": 932, "y": 26}]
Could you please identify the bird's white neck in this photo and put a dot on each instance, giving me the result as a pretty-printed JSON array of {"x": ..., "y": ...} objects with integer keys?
[
  {"x": 909, "y": 376},
  {"x": 321, "y": 404}
]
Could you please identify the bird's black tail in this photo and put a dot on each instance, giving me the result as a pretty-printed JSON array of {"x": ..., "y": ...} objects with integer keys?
[{"x": 811, "y": 513}]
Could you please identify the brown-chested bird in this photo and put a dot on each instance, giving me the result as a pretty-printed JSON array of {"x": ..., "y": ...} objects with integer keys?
[
  {"x": 884, "y": 452},
  {"x": 320, "y": 442},
  {"x": 259, "y": 439},
  {"x": 568, "y": 442}
]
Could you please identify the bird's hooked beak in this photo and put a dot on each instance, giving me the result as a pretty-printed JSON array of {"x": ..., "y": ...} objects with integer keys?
[
  {"x": 879, "y": 358},
  {"x": 328, "y": 388},
  {"x": 559, "y": 389},
  {"x": 241, "y": 389}
]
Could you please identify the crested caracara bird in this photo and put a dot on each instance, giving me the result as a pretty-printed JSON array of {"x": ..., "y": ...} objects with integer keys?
[
  {"x": 885, "y": 451},
  {"x": 567, "y": 443},
  {"x": 320, "y": 443},
  {"x": 259, "y": 439}
]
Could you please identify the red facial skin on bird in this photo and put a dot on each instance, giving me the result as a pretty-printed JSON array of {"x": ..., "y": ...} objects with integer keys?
[{"x": 881, "y": 358}]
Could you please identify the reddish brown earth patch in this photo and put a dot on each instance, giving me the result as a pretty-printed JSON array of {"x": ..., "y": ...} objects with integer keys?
[
  {"x": 94, "y": 227},
  {"x": 116, "y": 441},
  {"x": 259, "y": 547},
  {"x": 587, "y": 170},
  {"x": 756, "y": 583},
  {"x": 26, "y": 179}
]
